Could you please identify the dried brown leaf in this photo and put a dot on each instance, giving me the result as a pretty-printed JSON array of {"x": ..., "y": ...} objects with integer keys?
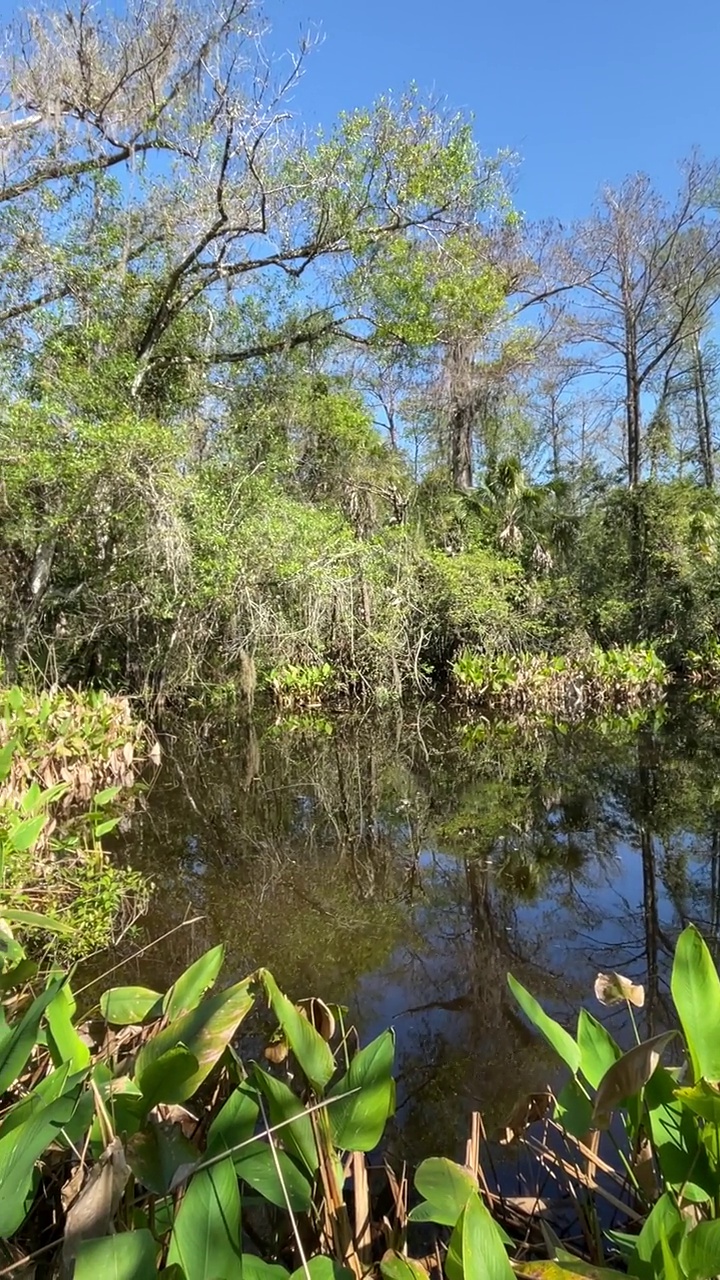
[
  {"x": 628, "y": 1076},
  {"x": 614, "y": 988},
  {"x": 93, "y": 1212}
]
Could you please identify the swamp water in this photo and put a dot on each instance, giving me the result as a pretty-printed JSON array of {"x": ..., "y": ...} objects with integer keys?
[{"x": 402, "y": 864}]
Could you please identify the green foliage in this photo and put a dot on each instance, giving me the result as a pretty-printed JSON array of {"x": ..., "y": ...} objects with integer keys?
[
  {"x": 682, "y": 1118},
  {"x": 64, "y": 760},
  {"x": 590, "y": 681},
  {"x": 79, "y": 1096}
]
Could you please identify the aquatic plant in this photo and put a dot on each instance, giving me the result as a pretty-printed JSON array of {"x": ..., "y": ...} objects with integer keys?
[
  {"x": 639, "y": 1135},
  {"x": 596, "y": 680},
  {"x": 68, "y": 765}
]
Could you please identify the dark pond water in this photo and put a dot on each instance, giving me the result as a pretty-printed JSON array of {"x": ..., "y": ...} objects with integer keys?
[{"x": 403, "y": 864}]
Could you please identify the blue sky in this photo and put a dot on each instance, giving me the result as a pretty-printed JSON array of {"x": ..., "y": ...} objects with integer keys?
[{"x": 586, "y": 93}]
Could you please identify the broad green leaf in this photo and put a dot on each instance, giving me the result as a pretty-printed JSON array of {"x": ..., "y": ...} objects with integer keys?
[
  {"x": 312, "y": 1052},
  {"x": 323, "y": 1268},
  {"x": 695, "y": 990},
  {"x": 671, "y": 1266},
  {"x": 283, "y": 1105},
  {"x": 254, "y": 1268},
  {"x": 626, "y": 1077},
  {"x": 556, "y": 1270},
  {"x": 395, "y": 1266},
  {"x": 15, "y": 1048},
  {"x": 574, "y": 1109},
  {"x": 676, "y": 1141},
  {"x": 130, "y": 1256},
  {"x": 188, "y": 991},
  {"x": 703, "y": 1099},
  {"x": 26, "y": 833},
  {"x": 50, "y": 1088},
  {"x": 128, "y": 1006},
  {"x": 557, "y": 1037},
  {"x": 64, "y": 1042},
  {"x": 357, "y": 1122},
  {"x": 598, "y": 1050},
  {"x": 102, "y": 828},
  {"x": 36, "y": 919},
  {"x": 22, "y": 972},
  {"x": 260, "y": 1172},
  {"x": 476, "y": 1248},
  {"x": 156, "y": 1153},
  {"x": 21, "y": 1147},
  {"x": 6, "y": 754},
  {"x": 446, "y": 1187},
  {"x": 235, "y": 1122},
  {"x": 664, "y": 1220},
  {"x": 205, "y": 1239},
  {"x": 700, "y": 1251},
  {"x": 165, "y": 1079},
  {"x": 105, "y": 797},
  {"x": 205, "y": 1032}
]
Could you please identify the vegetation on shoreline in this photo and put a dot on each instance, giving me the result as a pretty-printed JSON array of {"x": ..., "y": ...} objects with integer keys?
[
  {"x": 598, "y": 681},
  {"x": 68, "y": 764},
  {"x": 143, "y": 1141},
  {"x": 274, "y": 402}
]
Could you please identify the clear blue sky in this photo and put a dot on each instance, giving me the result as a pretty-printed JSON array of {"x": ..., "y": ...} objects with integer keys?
[{"x": 586, "y": 93}]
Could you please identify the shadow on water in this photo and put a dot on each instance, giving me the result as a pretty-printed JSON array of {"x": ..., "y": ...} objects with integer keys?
[{"x": 402, "y": 864}]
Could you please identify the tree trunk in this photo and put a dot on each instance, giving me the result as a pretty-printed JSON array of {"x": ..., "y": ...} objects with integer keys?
[
  {"x": 632, "y": 412},
  {"x": 704, "y": 426},
  {"x": 459, "y": 377}
]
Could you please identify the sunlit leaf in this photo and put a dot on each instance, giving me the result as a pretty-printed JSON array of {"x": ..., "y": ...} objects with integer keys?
[
  {"x": 703, "y": 1099},
  {"x": 358, "y": 1121},
  {"x": 664, "y": 1221},
  {"x": 18, "y": 1042},
  {"x": 676, "y": 1140},
  {"x": 187, "y": 992},
  {"x": 22, "y": 1145},
  {"x": 555, "y": 1270},
  {"x": 395, "y": 1266},
  {"x": 557, "y": 1037},
  {"x": 322, "y": 1268},
  {"x": 205, "y": 1032},
  {"x": 205, "y": 1239},
  {"x": 696, "y": 992},
  {"x": 574, "y": 1110},
  {"x": 36, "y": 920},
  {"x": 311, "y": 1050},
  {"x": 25, "y": 835},
  {"x": 254, "y": 1268},
  {"x": 598, "y": 1050},
  {"x": 476, "y": 1248},
  {"x": 130, "y": 1006},
  {"x": 235, "y": 1121},
  {"x": 700, "y": 1251},
  {"x": 446, "y": 1187},
  {"x": 64, "y": 1043}
]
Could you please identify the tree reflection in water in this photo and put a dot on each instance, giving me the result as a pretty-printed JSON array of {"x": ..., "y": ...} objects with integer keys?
[{"x": 402, "y": 864}]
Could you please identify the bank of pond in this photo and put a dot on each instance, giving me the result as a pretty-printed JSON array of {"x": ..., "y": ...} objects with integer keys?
[{"x": 438, "y": 892}]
